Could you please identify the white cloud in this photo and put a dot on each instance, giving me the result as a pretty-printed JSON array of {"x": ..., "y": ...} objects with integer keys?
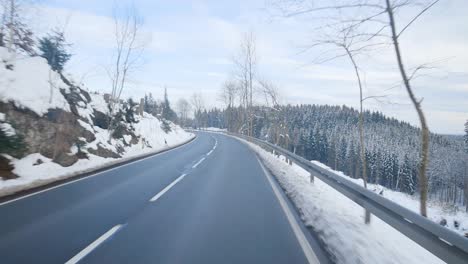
[{"x": 191, "y": 50}]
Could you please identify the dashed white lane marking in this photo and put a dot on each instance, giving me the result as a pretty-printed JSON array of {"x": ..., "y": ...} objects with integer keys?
[
  {"x": 93, "y": 245},
  {"x": 214, "y": 147},
  {"x": 161, "y": 193},
  {"x": 98, "y": 173},
  {"x": 198, "y": 163},
  {"x": 306, "y": 248}
]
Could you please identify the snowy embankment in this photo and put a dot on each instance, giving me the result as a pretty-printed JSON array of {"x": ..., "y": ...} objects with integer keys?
[
  {"x": 214, "y": 129},
  {"x": 339, "y": 222},
  {"x": 454, "y": 218},
  {"x": 54, "y": 129},
  {"x": 31, "y": 174}
]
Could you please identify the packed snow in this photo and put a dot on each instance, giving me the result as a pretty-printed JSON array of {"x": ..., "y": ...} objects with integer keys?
[
  {"x": 30, "y": 84},
  {"x": 339, "y": 222},
  {"x": 7, "y": 129}
]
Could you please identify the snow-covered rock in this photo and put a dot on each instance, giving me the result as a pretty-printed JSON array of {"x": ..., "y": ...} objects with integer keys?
[{"x": 55, "y": 129}]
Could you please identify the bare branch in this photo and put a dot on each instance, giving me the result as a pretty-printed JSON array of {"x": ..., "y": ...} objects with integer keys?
[
  {"x": 336, "y": 7},
  {"x": 375, "y": 97},
  {"x": 416, "y": 17}
]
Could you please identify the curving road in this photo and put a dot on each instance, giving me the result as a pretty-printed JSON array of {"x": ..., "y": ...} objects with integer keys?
[{"x": 209, "y": 201}]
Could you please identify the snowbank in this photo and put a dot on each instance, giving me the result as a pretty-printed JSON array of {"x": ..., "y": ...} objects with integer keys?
[
  {"x": 339, "y": 222},
  {"x": 32, "y": 174},
  {"x": 215, "y": 129},
  {"x": 457, "y": 220}
]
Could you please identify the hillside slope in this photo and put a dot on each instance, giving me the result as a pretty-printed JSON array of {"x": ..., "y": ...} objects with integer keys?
[
  {"x": 329, "y": 134},
  {"x": 51, "y": 128}
]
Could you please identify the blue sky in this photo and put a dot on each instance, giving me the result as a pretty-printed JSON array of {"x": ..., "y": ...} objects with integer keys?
[{"x": 190, "y": 46}]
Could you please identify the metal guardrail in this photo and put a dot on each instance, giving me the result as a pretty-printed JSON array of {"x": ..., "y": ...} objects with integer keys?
[{"x": 440, "y": 241}]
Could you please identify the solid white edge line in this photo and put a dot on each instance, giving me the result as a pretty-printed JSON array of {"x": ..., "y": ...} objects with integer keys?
[
  {"x": 161, "y": 193},
  {"x": 303, "y": 242},
  {"x": 198, "y": 163},
  {"x": 95, "y": 174},
  {"x": 83, "y": 253}
]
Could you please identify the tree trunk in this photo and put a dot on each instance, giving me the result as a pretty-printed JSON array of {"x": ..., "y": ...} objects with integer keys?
[
  {"x": 361, "y": 129},
  {"x": 417, "y": 105},
  {"x": 12, "y": 22}
]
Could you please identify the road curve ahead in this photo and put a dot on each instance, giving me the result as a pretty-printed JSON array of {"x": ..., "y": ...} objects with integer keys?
[{"x": 209, "y": 201}]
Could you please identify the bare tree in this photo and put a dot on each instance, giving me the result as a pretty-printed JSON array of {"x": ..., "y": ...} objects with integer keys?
[
  {"x": 271, "y": 94},
  {"x": 246, "y": 64},
  {"x": 14, "y": 33},
  {"x": 198, "y": 105},
  {"x": 390, "y": 9},
  {"x": 352, "y": 45},
  {"x": 127, "y": 25},
  {"x": 278, "y": 129},
  {"x": 183, "y": 108},
  {"x": 10, "y": 9},
  {"x": 378, "y": 16},
  {"x": 227, "y": 96},
  {"x": 465, "y": 193}
]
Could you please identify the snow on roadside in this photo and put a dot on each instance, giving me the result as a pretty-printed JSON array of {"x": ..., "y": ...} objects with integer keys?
[
  {"x": 214, "y": 129},
  {"x": 339, "y": 222},
  {"x": 435, "y": 211},
  {"x": 150, "y": 127},
  {"x": 33, "y": 173}
]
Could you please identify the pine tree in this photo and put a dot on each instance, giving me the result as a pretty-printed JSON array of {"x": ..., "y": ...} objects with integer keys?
[
  {"x": 167, "y": 112},
  {"x": 129, "y": 109},
  {"x": 11, "y": 143},
  {"x": 53, "y": 48},
  {"x": 342, "y": 154},
  {"x": 406, "y": 177}
]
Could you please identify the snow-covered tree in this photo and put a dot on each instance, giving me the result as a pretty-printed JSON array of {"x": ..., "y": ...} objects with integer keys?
[
  {"x": 167, "y": 112},
  {"x": 10, "y": 142},
  {"x": 53, "y": 48},
  {"x": 14, "y": 33}
]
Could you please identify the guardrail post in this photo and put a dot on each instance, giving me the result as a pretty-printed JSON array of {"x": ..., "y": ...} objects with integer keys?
[{"x": 312, "y": 178}]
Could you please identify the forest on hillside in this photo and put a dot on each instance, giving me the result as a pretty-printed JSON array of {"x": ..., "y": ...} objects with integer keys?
[{"x": 329, "y": 134}]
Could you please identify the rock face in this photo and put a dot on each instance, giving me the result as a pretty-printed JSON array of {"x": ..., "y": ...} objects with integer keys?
[
  {"x": 59, "y": 134},
  {"x": 6, "y": 170},
  {"x": 51, "y": 135},
  {"x": 102, "y": 152}
]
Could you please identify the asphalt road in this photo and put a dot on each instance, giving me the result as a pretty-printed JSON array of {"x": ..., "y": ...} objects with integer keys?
[{"x": 209, "y": 201}]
